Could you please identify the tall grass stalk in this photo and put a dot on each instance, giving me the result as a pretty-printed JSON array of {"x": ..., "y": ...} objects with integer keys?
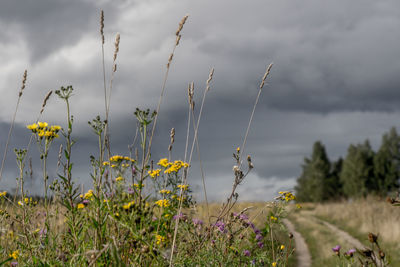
[
  {"x": 178, "y": 38},
  {"x": 13, "y": 121},
  {"x": 186, "y": 170}
]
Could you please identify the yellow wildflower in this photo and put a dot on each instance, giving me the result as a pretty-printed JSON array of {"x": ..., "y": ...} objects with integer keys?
[
  {"x": 15, "y": 254},
  {"x": 41, "y": 133},
  {"x": 26, "y": 200},
  {"x": 119, "y": 179},
  {"x": 33, "y": 127},
  {"x": 298, "y": 206},
  {"x": 116, "y": 214},
  {"x": 273, "y": 218},
  {"x": 282, "y": 247},
  {"x": 20, "y": 203},
  {"x": 163, "y": 202},
  {"x": 3, "y": 194},
  {"x": 183, "y": 186},
  {"x": 274, "y": 264},
  {"x": 80, "y": 206},
  {"x": 165, "y": 191},
  {"x": 160, "y": 239},
  {"x": 42, "y": 125},
  {"x": 128, "y": 205},
  {"x": 89, "y": 194},
  {"x": 164, "y": 162},
  {"x": 238, "y": 149},
  {"x": 106, "y": 163},
  {"x": 154, "y": 173}
]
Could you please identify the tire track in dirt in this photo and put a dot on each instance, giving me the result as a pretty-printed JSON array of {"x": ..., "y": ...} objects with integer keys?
[
  {"x": 342, "y": 234},
  {"x": 302, "y": 252}
]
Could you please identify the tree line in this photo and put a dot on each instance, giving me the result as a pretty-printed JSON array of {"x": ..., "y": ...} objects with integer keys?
[{"x": 362, "y": 172}]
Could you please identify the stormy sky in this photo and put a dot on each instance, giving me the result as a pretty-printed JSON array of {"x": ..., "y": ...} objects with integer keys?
[{"x": 335, "y": 78}]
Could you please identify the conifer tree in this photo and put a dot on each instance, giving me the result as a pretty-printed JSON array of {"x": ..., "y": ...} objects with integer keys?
[
  {"x": 387, "y": 163},
  {"x": 312, "y": 184},
  {"x": 357, "y": 175}
]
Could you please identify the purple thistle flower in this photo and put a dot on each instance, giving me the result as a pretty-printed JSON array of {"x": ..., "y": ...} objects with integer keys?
[
  {"x": 197, "y": 222},
  {"x": 85, "y": 201},
  {"x": 235, "y": 214},
  {"x": 260, "y": 244},
  {"x": 179, "y": 216},
  {"x": 243, "y": 217},
  {"x": 246, "y": 253},
  {"x": 14, "y": 263},
  {"x": 257, "y": 231},
  {"x": 259, "y": 237},
  {"x": 351, "y": 252},
  {"x": 337, "y": 250},
  {"x": 130, "y": 190},
  {"x": 221, "y": 226}
]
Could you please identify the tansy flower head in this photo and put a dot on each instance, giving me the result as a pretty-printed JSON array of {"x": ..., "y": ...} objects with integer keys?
[
  {"x": 154, "y": 173},
  {"x": 119, "y": 179},
  {"x": 165, "y": 191},
  {"x": 81, "y": 206},
  {"x": 160, "y": 239},
  {"x": 42, "y": 125},
  {"x": 163, "y": 202},
  {"x": 3, "y": 194},
  {"x": 164, "y": 162},
  {"x": 15, "y": 254}
]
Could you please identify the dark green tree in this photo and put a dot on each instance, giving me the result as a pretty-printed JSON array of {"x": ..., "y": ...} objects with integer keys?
[
  {"x": 357, "y": 175},
  {"x": 333, "y": 184},
  {"x": 387, "y": 163},
  {"x": 312, "y": 184}
]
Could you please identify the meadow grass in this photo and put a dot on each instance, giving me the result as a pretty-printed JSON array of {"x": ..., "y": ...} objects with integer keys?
[{"x": 140, "y": 210}]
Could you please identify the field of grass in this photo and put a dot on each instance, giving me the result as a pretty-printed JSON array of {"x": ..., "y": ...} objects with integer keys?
[
  {"x": 139, "y": 210},
  {"x": 358, "y": 218}
]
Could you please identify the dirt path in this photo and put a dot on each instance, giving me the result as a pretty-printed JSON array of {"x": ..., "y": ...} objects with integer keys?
[
  {"x": 302, "y": 253},
  {"x": 346, "y": 236}
]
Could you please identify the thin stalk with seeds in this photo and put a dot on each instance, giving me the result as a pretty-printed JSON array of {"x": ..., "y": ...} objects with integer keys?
[
  {"x": 13, "y": 122},
  {"x": 239, "y": 159},
  {"x": 186, "y": 170},
  {"x": 178, "y": 38}
]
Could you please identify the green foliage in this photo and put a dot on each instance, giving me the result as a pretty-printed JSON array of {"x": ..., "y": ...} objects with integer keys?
[
  {"x": 387, "y": 163},
  {"x": 362, "y": 172},
  {"x": 312, "y": 184},
  {"x": 357, "y": 174}
]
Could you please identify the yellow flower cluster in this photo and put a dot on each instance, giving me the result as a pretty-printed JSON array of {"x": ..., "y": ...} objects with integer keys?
[
  {"x": 119, "y": 179},
  {"x": 165, "y": 191},
  {"x": 87, "y": 195},
  {"x": 273, "y": 218},
  {"x": 15, "y": 254},
  {"x": 183, "y": 186},
  {"x": 160, "y": 239},
  {"x": 27, "y": 201},
  {"x": 176, "y": 166},
  {"x": 154, "y": 173},
  {"x": 81, "y": 206},
  {"x": 163, "y": 162},
  {"x": 286, "y": 195},
  {"x": 42, "y": 129},
  {"x": 163, "y": 202},
  {"x": 119, "y": 159},
  {"x": 127, "y": 206},
  {"x": 3, "y": 194}
]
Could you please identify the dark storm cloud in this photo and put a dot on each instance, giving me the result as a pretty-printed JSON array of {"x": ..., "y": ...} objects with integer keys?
[{"x": 335, "y": 77}]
